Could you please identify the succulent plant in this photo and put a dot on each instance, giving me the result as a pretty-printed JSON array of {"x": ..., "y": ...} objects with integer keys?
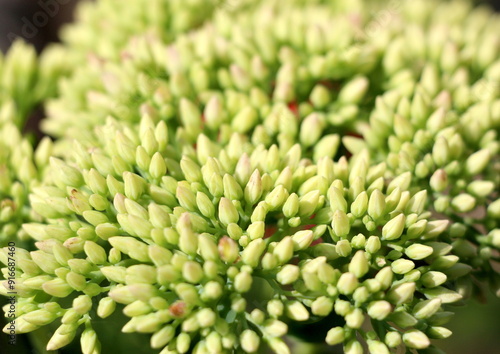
[{"x": 228, "y": 177}]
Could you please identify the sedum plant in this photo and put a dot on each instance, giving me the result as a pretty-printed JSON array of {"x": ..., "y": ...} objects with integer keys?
[{"x": 229, "y": 177}]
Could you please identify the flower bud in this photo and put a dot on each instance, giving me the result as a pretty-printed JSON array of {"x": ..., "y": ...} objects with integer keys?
[
  {"x": 106, "y": 307},
  {"x": 252, "y": 253},
  {"x": 463, "y": 203},
  {"x": 416, "y": 339},
  {"x": 376, "y": 204},
  {"x": 336, "y": 335},
  {"x": 359, "y": 264},
  {"x": 227, "y": 212},
  {"x": 379, "y": 310},
  {"x": 284, "y": 250},
  {"x": 340, "y": 224},
  {"x": 477, "y": 162},
  {"x": 288, "y": 274},
  {"x": 402, "y": 266},
  {"x": 394, "y": 228},
  {"x": 277, "y": 198},
  {"x": 302, "y": 239},
  {"x": 249, "y": 341},
  {"x": 347, "y": 283},
  {"x": 401, "y": 293},
  {"x": 354, "y": 319},
  {"x": 296, "y": 311}
]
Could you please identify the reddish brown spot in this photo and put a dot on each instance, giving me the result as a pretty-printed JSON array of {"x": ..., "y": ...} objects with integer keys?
[
  {"x": 318, "y": 241},
  {"x": 354, "y": 134},
  {"x": 178, "y": 309},
  {"x": 308, "y": 227},
  {"x": 331, "y": 85},
  {"x": 294, "y": 107},
  {"x": 8, "y": 203},
  {"x": 271, "y": 230}
]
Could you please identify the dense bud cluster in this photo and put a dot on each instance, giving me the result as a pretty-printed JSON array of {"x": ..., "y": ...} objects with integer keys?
[{"x": 224, "y": 175}]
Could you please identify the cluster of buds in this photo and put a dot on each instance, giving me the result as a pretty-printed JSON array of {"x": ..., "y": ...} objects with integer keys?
[
  {"x": 21, "y": 168},
  {"x": 27, "y": 79},
  {"x": 211, "y": 253},
  {"x": 165, "y": 19},
  {"x": 197, "y": 182},
  {"x": 233, "y": 77}
]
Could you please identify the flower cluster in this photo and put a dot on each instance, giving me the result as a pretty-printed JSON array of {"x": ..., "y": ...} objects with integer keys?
[
  {"x": 220, "y": 244},
  {"x": 223, "y": 175},
  {"x": 26, "y": 80}
]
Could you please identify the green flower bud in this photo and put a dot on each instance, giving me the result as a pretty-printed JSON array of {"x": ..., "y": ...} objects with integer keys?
[
  {"x": 309, "y": 203},
  {"x": 89, "y": 341},
  {"x": 253, "y": 251},
  {"x": 96, "y": 253},
  {"x": 39, "y": 317},
  {"x": 445, "y": 295},
  {"x": 64, "y": 174},
  {"x": 162, "y": 337},
  {"x": 379, "y": 310},
  {"x": 183, "y": 342},
  {"x": 343, "y": 248},
  {"x": 227, "y": 212},
  {"x": 418, "y": 251},
  {"x": 360, "y": 205},
  {"x": 157, "y": 167},
  {"x": 277, "y": 198},
  {"x": 249, "y": 341},
  {"x": 359, "y": 265},
  {"x": 296, "y": 311},
  {"x": 354, "y": 91},
  {"x": 82, "y": 304},
  {"x": 347, "y": 283},
  {"x": 288, "y": 274},
  {"x": 402, "y": 266},
  {"x": 232, "y": 190},
  {"x": 373, "y": 244},
  {"x": 311, "y": 129},
  {"x": 401, "y": 293},
  {"x": 106, "y": 307},
  {"x": 337, "y": 200},
  {"x": 427, "y": 308},
  {"x": 376, "y": 204},
  {"x": 228, "y": 249},
  {"x": 432, "y": 279},
  {"x": 245, "y": 120},
  {"x": 336, "y": 335},
  {"x": 375, "y": 346},
  {"x": 284, "y": 250},
  {"x": 302, "y": 239},
  {"x": 206, "y": 317},
  {"x": 392, "y": 339},
  {"x": 463, "y": 203},
  {"x": 353, "y": 347},
  {"x": 62, "y": 336},
  {"x": 354, "y": 319},
  {"x": 192, "y": 272},
  {"x": 439, "y": 332},
  {"x": 416, "y": 339},
  {"x": 394, "y": 228},
  {"x": 275, "y": 308},
  {"x": 340, "y": 224},
  {"x": 477, "y": 162}
]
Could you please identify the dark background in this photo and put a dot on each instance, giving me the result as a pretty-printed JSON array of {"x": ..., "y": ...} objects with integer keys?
[{"x": 476, "y": 327}]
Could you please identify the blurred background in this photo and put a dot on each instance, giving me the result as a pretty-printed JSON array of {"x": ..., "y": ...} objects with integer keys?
[{"x": 476, "y": 327}]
